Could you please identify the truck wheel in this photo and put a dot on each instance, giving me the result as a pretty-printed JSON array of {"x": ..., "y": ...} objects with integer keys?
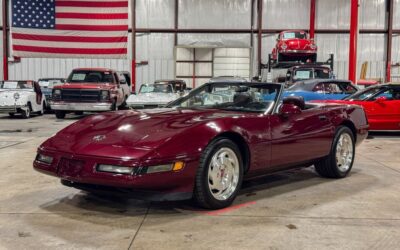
[
  {"x": 60, "y": 114},
  {"x": 27, "y": 113},
  {"x": 340, "y": 160},
  {"x": 114, "y": 106},
  {"x": 219, "y": 176},
  {"x": 11, "y": 114},
  {"x": 123, "y": 105}
]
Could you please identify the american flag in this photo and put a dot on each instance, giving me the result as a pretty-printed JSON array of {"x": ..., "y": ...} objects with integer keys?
[{"x": 73, "y": 28}]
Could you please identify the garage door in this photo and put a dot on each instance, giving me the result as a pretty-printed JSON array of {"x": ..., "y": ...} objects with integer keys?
[{"x": 232, "y": 62}]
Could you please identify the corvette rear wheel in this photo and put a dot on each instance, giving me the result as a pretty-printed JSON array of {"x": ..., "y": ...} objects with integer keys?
[
  {"x": 340, "y": 160},
  {"x": 220, "y": 174}
]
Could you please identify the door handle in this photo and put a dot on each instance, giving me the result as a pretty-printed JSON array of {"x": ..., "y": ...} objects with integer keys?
[{"x": 322, "y": 117}]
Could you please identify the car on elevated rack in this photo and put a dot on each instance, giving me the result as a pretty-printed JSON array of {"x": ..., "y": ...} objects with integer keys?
[
  {"x": 90, "y": 90},
  {"x": 23, "y": 97},
  {"x": 203, "y": 150},
  {"x": 381, "y": 104},
  {"x": 157, "y": 94},
  {"x": 294, "y": 45},
  {"x": 305, "y": 72},
  {"x": 47, "y": 85},
  {"x": 321, "y": 89}
]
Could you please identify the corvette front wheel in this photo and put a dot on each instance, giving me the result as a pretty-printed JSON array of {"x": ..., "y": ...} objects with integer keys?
[
  {"x": 340, "y": 160},
  {"x": 220, "y": 174}
]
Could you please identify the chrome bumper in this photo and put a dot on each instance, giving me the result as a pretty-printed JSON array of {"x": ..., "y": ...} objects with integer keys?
[
  {"x": 11, "y": 108},
  {"x": 288, "y": 51},
  {"x": 78, "y": 106}
]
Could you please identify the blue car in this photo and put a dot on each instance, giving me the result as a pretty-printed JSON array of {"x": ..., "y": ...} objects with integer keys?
[{"x": 321, "y": 89}]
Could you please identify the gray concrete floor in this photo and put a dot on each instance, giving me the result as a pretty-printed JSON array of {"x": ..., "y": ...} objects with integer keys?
[{"x": 293, "y": 210}]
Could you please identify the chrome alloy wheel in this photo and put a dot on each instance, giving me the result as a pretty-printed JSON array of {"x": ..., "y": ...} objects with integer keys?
[
  {"x": 223, "y": 173},
  {"x": 344, "y": 152}
]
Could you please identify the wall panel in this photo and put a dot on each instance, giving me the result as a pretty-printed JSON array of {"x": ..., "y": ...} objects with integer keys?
[
  {"x": 221, "y": 14},
  {"x": 372, "y": 14},
  {"x": 396, "y": 14},
  {"x": 155, "y": 13},
  {"x": 286, "y": 14},
  {"x": 333, "y": 14}
]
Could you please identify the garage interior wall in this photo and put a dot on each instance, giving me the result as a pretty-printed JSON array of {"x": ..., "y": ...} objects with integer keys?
[{"x": 158, "y": 48}]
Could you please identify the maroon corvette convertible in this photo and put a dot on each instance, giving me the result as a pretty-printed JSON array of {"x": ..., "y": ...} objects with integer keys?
[{"x": 204, "y": 144}]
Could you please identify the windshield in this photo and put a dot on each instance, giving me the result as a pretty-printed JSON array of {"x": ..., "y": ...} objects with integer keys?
[
  {"x": 295, "y": 34},
  {"x": 303, "y": 74},
  {"x": 364, "y": 94},
  {"x": 321, "y": 73},
  {"x": 49, "y": 84},
  {"x": 155, "y": 88},
  {"x": 90, "y": 76},
  {"x": 231, "y": 96},
  {"x": 16, "y": 85}
]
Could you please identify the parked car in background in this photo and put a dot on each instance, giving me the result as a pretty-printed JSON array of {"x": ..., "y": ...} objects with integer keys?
[
  {"x": 203, "y": 150},
  {"x": 157, "y": 94},
  {"x": 47, "y": 85},
  {"x": 228, "y": 79},
  {"x": 306, "y": 72},
  {"x": 21, "y": 97},
  {"x": 321, "y": 89},
  {"x": 381, "y": 104},
  {"x": 294, "y": 45},
  {"x": 90, "y": 90}
]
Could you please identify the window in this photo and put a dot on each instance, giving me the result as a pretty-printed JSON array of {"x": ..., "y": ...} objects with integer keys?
[
  {"x": 295, "y": 34},
  {"x": 327, "y": 88},
  {"x": 91, "y": 76}
]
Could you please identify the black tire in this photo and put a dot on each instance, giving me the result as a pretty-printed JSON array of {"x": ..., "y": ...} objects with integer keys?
[
  {"x": 329, "y": 167},
  {"x": 114, "y": 106},
  {"x": 202, "y": 193},
  {"x": 124, "y": 104},
  {"x": 27, "y": 113},
  {"x": 78, "y": 113},
  {"x": 11, "y": 114},
  {"x": 60, "y": 114}
]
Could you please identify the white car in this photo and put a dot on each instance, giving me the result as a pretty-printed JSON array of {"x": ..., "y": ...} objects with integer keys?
[
  {"x": 24, "y": 97},
  {"x": 157, "y": 95}
]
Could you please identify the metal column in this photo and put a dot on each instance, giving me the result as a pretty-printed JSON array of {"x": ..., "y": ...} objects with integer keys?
[
  {"x": 133, "y": 67},
  {"x": 389, "y": 40},
  {"x": 5, "y": 40},
  {"x": 353, "y": 41},
  {"x": 312, "y": 19}
]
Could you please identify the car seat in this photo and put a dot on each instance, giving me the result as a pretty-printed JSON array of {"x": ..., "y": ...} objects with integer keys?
[{"x": 242, "y": 99}]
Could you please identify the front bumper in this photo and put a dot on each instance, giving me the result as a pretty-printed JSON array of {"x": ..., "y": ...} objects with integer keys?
[
  {"x": 80, "y": 106},
  {"x": 145, "y": 105},
  {"x": 294, "y": 51},
  {"x": 154, "y": 186},
  {"x": 12, "y": 108}
]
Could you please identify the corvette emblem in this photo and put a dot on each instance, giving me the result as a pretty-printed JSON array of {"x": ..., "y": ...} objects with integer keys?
[{"x": 99, "y": 138}]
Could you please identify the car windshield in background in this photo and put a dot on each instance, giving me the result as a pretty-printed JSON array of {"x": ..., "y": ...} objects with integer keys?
[
  {"x": 49, "y": 84},
  {"x": 364, "y": 94},
  {"x": 303, "y": 74},
  {"x": 292, "y": 35},
  {"x": 156, "y": 88},
  {"x": 321, "y": 73},
  {"x": 90, "y": 76},
  {"x": 16, "y": 85},
  {"x": 230, "y": 96}
]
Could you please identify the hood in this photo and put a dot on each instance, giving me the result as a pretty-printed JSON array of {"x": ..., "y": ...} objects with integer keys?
[
  {"x": 133, "y": 134},
  {"x": 159, "y": 98},
  {"x": 86, "y": 85},
  {"x": 7, "y": 96}
]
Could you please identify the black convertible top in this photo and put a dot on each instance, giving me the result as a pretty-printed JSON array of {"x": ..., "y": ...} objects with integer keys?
[{"x": 309, "y": 85}]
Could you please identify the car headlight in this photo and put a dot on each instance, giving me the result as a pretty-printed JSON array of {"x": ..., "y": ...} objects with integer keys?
[
  {"x": 105, "y": 94},
  {"x": 16, "y": 96},
  {"x": 176, "y": 166},
  {"x": 284, "y": 46},
  {"x": 57, "y": 92},
  {"x": 114, "y": 169},
  {"x": 44, "y": 159}
]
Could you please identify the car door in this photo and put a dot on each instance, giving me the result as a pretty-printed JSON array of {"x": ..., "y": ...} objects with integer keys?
[
  {"x": 300, "y": 137},
  {"x": 120, "y": 90},
  {"x": 383, "y": 110}
]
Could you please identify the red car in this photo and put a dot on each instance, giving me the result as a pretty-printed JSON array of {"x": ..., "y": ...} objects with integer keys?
[
  {"x": 381, "y": 104},
  {"x": 92, "y": 90},
  {"x": 204, "y": 144},
  {"x": 294, "y": 45}
]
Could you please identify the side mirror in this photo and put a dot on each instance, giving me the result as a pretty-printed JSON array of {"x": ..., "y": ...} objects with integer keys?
[
  {"x": 381, "y": 99},
  {"x": 289, "y": 109}
]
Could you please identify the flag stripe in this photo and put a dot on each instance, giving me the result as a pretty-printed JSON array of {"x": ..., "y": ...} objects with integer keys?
[
  {"x": 54, "y": 55},
  {"x": 70, "y": 50},
  {"x": 92, "y": 22},
  {"x": 92, "y": 16},
  {"x": 77, "y": 45},
  {"x": 69, "y": 33},
  {"x": 90, "y": 10},
  {"x": 92, "y": 4},
  {"x": 80, "y": 39},
  {"x": 91, "y": 27}
]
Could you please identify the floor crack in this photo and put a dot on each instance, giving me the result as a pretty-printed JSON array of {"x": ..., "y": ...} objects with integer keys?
[{"x": 141, "y": 223}]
